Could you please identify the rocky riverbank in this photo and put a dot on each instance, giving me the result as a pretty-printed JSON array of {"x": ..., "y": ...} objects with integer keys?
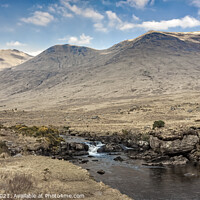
[{"x": 158, "y": 147}]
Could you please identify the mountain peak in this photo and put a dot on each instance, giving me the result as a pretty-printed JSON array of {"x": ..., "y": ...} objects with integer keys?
[{"x": 12, "y": 57}]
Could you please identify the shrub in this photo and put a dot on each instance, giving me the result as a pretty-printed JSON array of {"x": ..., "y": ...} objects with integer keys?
[
  {"x": 158, "y": 124},
  {"x": 50, "y": 133},
  {"x": 126, "y": 132}
]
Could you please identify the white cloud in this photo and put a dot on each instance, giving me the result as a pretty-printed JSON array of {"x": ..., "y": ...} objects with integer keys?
[
  {"x": 15, "y": 44},
  {"x": 100, "y": 27},
  {"x": 135, "y": 17},
  {"x": 55, "y": 8},
  {"x": 136, "y": 3},
  {"x": 196, "y": 3},
  {"x": 127, "y": 26},
  {"x": 113, "y": 19},
  {"x": 185, "y": 22},
  {"x": 39, "y": 18},
  {"x": 82, "y": 40},
  {"x": 84, "y": 12}
]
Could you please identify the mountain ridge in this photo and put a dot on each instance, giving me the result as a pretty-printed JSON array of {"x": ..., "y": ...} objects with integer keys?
[
  {"x": 12, "y": 57},
  {"x": 155, "y": 63}
]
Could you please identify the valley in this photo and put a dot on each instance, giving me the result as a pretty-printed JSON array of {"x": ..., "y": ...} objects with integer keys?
[{"x": 112, "y": 96}]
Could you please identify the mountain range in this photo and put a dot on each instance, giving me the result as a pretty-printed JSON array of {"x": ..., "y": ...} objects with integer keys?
[
  {"x": 12, "y": 57},
  {"x": 153, "y": 64}
]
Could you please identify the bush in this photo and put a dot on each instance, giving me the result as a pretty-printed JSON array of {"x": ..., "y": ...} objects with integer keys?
[
  {"x": 158, "y": 124},
  {"x": 50, "y": 133}
]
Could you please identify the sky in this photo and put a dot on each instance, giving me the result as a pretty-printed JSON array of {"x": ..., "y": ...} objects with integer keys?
[{"x": 35, "y": 25}]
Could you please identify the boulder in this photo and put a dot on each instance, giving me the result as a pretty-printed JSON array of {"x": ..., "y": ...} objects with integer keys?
[
  {"x": 176, "y": 160},
  {"x": 172, "y": 143},
  {"x": 78, "y": 146},
  {"x": 110, "y": 148},
  {"x": 166, "y": 161}
]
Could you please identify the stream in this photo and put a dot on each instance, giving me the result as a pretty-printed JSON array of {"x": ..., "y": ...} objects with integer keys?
[{"x": 138, "y": 181}]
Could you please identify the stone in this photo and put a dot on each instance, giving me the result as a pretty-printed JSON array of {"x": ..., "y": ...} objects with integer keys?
[
  {"x": 118, "y": 158},
  {"x": 18, "y": 155},
  {"x": 84, "y": 161},
  {"x": 187, "y": 144},
  {"x": 78, "y": 146},
  {"x": 101, "y": 172},
  {"x": 176, "y": 160},
  {"x": 110, "y": 148},
  {"x": 80, "y": 153},
  {"x": 166, "y": 161},
  {"x": 174, "y": 142}
]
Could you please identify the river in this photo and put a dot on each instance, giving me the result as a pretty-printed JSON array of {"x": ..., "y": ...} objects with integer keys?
[{"x": 138, "y": 181}]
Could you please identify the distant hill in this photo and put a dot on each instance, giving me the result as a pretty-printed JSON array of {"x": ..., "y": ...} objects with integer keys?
[
  {"x": 154, "y": 63},
  {"x": 12, "y": 57}
]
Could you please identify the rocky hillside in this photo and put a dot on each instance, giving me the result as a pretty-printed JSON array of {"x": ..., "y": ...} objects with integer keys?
[
  {"x": 10, "y": 58},
  {"x": 154, "y": 63}
]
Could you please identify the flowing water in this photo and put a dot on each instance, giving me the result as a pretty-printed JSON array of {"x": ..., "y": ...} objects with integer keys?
[{"x": 142, "y": 182}]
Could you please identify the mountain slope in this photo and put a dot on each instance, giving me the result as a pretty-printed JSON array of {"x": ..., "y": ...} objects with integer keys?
[
  {"x": 10, "y": 58},
  {"x": 154, "y": 63}
]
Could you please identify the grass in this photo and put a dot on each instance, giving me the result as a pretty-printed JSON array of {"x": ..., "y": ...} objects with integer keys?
[{"x": 19, "y": 184}]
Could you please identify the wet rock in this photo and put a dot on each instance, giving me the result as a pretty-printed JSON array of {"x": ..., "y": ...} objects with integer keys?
[
  {"x": 84, "y": 161},
  {"x": 110, "y": 148},
  {"x": 101, "y": 172},
  {"x": 90, "y": 156},
  {"x": 176, "y": 160},
  {"x": 118, "y": 158},
  {"x": 78, "y": 146},
  {"x": 80, "y": 153},
  {"x": 166, "y": 161},
  {"x": 67, "y": 157},
  {"x": 160, "y": 159},
  {"x": 81, "y": 147},
  {"x": 194, "y": 155}
]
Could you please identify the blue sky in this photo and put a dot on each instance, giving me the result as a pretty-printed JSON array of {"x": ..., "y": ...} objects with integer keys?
[{"x": 34, "y": 25}]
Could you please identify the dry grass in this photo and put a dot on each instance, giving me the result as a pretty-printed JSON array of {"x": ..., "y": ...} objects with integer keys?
[
  {"x": 137, "y": 114},
  {"x": 43, "y": 175},
  {"x": 20, "y": 183}
]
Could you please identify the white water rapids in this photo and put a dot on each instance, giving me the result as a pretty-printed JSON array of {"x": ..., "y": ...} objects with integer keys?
[{"x": 93, "y": 148}]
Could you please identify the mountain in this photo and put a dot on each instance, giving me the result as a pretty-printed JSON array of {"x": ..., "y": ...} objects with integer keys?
[
  {"x": 154, "y": 63},
  {"x": 10, "y": 58}
]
